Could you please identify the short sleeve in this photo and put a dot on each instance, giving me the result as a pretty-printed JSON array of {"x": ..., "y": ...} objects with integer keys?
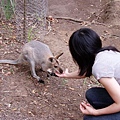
[{"x": 102, "y": 70}]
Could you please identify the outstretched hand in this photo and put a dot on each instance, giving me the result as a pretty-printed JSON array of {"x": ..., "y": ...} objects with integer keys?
[
  {"x": 86, "y": 108},
  {"x": 63, "y": 75}
]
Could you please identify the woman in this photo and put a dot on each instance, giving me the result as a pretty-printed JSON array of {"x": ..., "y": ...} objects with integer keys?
[{"x": 104, "y": 64}]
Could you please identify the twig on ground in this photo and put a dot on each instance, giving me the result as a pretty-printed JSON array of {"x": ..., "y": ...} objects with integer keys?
[
  {"x": 71, "y": 19},
  {"x": 49, "y": 27},
  {"x": 80, "y": 21}
]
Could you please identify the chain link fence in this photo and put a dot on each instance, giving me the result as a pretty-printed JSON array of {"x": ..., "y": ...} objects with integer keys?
[{"x": 29, "y": 17}]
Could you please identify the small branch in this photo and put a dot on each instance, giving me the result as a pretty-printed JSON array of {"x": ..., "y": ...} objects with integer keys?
[
  {"x": 71, "y": 19},
  {"x": 80, "y": 21},
  {"x": 49, "y": 27}
]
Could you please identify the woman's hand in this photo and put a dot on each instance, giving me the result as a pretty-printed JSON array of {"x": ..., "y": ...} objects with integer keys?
[
  {"x": 72, "y": 75},
  {"x": 63, "y": 75},
  {"x": 87, "y": 109}
]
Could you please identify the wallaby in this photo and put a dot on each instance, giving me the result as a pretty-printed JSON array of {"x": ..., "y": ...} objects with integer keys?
[{"x": 37, "y": 53}]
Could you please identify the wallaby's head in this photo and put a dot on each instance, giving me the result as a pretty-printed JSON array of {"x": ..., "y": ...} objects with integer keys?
[{"x": 53, "y": 65}]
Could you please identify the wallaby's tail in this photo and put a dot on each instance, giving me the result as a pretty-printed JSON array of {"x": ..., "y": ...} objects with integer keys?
[{"x": 14, "y": 62}]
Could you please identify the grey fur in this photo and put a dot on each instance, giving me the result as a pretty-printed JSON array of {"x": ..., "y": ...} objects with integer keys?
[{"x": 37, "y": 53}]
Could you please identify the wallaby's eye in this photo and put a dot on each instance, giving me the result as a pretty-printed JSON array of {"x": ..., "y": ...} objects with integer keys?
[
  {"x": 55, "y": 66},
  {"x": 51, "y": 59}
]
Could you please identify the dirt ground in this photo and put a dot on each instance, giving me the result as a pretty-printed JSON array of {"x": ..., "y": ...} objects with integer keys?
[{"x": 21, "y": 97}]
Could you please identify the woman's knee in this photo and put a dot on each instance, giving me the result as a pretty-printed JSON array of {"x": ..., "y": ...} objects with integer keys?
[
  {"x": 90, "y": 93},
  {"x": 93, "y": 92}
]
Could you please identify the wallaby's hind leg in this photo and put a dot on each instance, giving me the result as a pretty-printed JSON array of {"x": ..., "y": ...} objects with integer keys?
[{"x": 32, "y": 68}]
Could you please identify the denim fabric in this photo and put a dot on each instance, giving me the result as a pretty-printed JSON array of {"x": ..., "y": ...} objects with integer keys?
[
  {"x": 99, "y": 98},
  {"x": 115, "y": 116}
]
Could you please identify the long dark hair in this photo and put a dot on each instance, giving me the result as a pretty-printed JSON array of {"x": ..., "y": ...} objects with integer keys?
[{"x": 84, "y": 44}]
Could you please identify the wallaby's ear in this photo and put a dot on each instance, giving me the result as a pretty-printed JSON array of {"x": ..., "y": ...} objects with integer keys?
[{"x": 56, "y": 57}]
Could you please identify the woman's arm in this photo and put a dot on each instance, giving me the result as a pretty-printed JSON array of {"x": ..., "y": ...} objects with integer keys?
[
  {"x": 113, "y": 89},
  {"x": 72, "y": 75}
]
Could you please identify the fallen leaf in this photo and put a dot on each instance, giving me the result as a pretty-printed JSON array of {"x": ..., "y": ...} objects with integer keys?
[{"x": 71, "y": 88}]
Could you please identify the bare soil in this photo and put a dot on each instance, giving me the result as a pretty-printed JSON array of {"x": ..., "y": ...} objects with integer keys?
[{"x": 21, "y": 96}]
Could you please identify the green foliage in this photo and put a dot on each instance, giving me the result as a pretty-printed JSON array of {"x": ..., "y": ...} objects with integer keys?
[
  {"x": 64, "y": 81},
  {"x": 8, "y": 8},
  {"x": 30, "y": 34}
]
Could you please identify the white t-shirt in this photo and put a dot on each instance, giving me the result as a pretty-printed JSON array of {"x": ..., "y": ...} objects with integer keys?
[{"x": 107, "y": 64}]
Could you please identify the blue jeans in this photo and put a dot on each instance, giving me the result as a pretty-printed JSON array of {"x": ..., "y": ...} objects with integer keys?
[{"x": 99, "y": 98}]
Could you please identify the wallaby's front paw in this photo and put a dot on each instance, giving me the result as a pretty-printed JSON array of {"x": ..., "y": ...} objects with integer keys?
[
  {"x": 48, "y": 75},
  {"x": 41, "y": 81},
  {"x": 53, "y": 74},
  {"x": 41, "y": 69}
]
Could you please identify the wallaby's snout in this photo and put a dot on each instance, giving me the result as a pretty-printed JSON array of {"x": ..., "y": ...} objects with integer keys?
[{"x": 52, "y": 71}]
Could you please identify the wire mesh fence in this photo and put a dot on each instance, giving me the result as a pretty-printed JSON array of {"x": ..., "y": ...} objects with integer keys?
[{"x": 29, "y": 17}]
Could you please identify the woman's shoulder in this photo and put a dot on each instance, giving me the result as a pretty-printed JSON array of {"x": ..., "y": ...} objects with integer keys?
[{"x": 107, "y": 56}]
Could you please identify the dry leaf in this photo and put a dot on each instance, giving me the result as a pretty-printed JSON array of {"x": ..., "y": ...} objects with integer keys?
[{"x": 71, "y": 88}]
